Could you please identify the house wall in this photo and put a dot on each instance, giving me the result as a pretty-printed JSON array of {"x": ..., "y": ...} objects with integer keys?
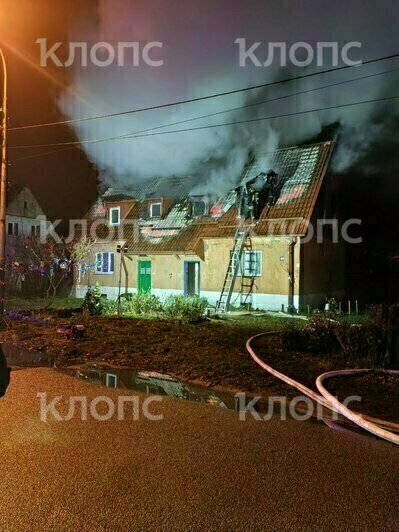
[
  {"x": 166, "y": 205},
  {"x": 107, "y": 281},
  {"x": 323, "y": 272},
  {"x": 24, "y": 210},
  {"x": 323, "y": 256},
  {"x": 14, "y": 242},
  {"x": 125, "y": 206},
  {"x": 271, "y": 289},
  {"x": 24, "y": 224}
]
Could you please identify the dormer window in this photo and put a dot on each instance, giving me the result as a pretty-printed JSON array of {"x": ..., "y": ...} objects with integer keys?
[
  {"x": 199, "y": 208},
  {"x": 155, "y": 210},
  {"x": 201, "y": 203},
  {"x": 115, "y": 216}
]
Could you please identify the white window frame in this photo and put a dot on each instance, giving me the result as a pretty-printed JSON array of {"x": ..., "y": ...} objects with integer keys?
[
  {"x": 160, "y": 209},
  {"x": 100, "y": 257},
  {"x": 259, "y": 261},
  {"x": 111, "y": 211},
  {"x": 111, "y": 377}
]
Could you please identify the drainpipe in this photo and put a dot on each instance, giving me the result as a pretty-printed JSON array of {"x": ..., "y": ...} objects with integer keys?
[
  {"x": 291, "y": 274},
  {"x": 122, "y": 250}
]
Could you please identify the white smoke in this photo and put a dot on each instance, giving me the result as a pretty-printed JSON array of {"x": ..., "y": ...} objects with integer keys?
[{"x": 200, "y": 58}]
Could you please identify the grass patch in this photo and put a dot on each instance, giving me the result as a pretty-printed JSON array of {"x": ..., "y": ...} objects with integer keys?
[
  {"x": 264, "y": 322},
  {"x": 39, "y": 303}
]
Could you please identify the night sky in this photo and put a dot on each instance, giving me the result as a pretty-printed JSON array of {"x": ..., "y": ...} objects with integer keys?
[{"x": 64, "y": 183}]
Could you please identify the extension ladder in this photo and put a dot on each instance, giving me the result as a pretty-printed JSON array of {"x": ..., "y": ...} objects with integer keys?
[{"x": 241, "y": 236}]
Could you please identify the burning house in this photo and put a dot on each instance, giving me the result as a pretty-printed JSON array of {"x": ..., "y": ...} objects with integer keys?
[{"x": 255, "y": 245}]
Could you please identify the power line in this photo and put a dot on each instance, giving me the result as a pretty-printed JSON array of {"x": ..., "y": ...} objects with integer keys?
[
  {"x": 33, "y": 156},
  {"x": 388, "y": 98},
  {"x": 147, "y": 133},
  {"x": 203, "y": 98}
]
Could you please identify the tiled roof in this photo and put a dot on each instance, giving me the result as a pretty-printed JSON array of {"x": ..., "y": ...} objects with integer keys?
[
  {"x": 177, "y": 218},
  {"x": 173, "y": 187},
  {"x": 301, "y": 172},
  {"x": 223, "y": 205}
]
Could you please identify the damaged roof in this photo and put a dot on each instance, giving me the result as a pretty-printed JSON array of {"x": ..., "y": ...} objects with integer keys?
[
  {"x": 173, "y": 187},
  {"x": 301, "y": 171}
]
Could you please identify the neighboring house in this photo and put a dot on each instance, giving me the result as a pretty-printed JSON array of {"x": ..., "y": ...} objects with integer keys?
[
  {"x": 180, "y": 242},
  {"x": 22, "y": 217}
]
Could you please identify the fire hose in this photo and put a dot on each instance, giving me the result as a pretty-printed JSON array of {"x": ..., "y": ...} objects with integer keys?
[{"x": 328, "y": 401}]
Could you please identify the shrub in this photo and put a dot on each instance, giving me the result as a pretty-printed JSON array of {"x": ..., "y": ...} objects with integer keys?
[
  {"x": 143, "y": 304},
  {"x": 93, "y": 301},
  {"x": 109, "y": 307},
  {"x": 333, "y": 306},
  {"x": 366, "y": 344},
  {"x": 363, "y": 343},
  {"x": 318, "y": 337},
  {"x": 186, "y": 309}
]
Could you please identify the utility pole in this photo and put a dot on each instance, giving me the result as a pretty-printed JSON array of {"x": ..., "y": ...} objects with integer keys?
[
  {"x": 3, "y": 187},
  {"x": 122, "y": 251}
]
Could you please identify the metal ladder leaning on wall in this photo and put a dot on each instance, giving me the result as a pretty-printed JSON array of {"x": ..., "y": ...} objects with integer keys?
[
  {"x": 241, "y": 236},
  {"x": 247, "y": 280}
]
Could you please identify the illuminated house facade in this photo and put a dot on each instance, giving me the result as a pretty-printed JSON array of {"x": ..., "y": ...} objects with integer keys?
[{"x": 178, "y": 242}]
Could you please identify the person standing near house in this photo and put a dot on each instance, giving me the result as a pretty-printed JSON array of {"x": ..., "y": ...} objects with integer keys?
[{"x": 4, "y": 374}]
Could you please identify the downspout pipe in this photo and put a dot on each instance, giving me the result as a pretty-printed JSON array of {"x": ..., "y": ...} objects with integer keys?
[{"x": 291, "y": 275}]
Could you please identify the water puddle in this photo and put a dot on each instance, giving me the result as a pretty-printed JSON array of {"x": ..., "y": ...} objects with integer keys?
[
  {"x": 153, "y": 383},
  {"x": 18, "y": 357},
  {"x": 147, "y": 382},
  {"x": 150, "y": 382}
]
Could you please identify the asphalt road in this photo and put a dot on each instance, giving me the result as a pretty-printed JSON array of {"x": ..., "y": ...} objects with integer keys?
[{"x": 200, "y": 468}]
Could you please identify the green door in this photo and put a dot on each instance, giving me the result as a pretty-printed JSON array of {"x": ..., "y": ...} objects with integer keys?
[{"x": 144, "y": 283}]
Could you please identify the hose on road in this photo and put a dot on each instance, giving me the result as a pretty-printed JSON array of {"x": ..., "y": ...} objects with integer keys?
[{"x": 375, "y": 426}]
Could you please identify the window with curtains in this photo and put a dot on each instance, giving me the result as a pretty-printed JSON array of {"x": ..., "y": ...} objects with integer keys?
[
  {"x": 105, "y": 262},
  {"x": 250, "y": 264}
]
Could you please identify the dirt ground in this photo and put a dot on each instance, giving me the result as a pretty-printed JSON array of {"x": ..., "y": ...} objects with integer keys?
[{"x": 212, "y": 352}]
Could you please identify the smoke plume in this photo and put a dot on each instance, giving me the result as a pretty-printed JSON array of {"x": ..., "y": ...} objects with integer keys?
[{"x": 200, "y": 58}]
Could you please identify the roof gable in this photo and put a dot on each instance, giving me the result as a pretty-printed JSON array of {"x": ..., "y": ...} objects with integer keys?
[{"x": 22, "y": 202}]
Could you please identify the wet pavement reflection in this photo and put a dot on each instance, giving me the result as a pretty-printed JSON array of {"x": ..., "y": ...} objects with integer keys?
[
  {"x": 150, "y": 382},
  {"x": 23, "y": 358}
]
